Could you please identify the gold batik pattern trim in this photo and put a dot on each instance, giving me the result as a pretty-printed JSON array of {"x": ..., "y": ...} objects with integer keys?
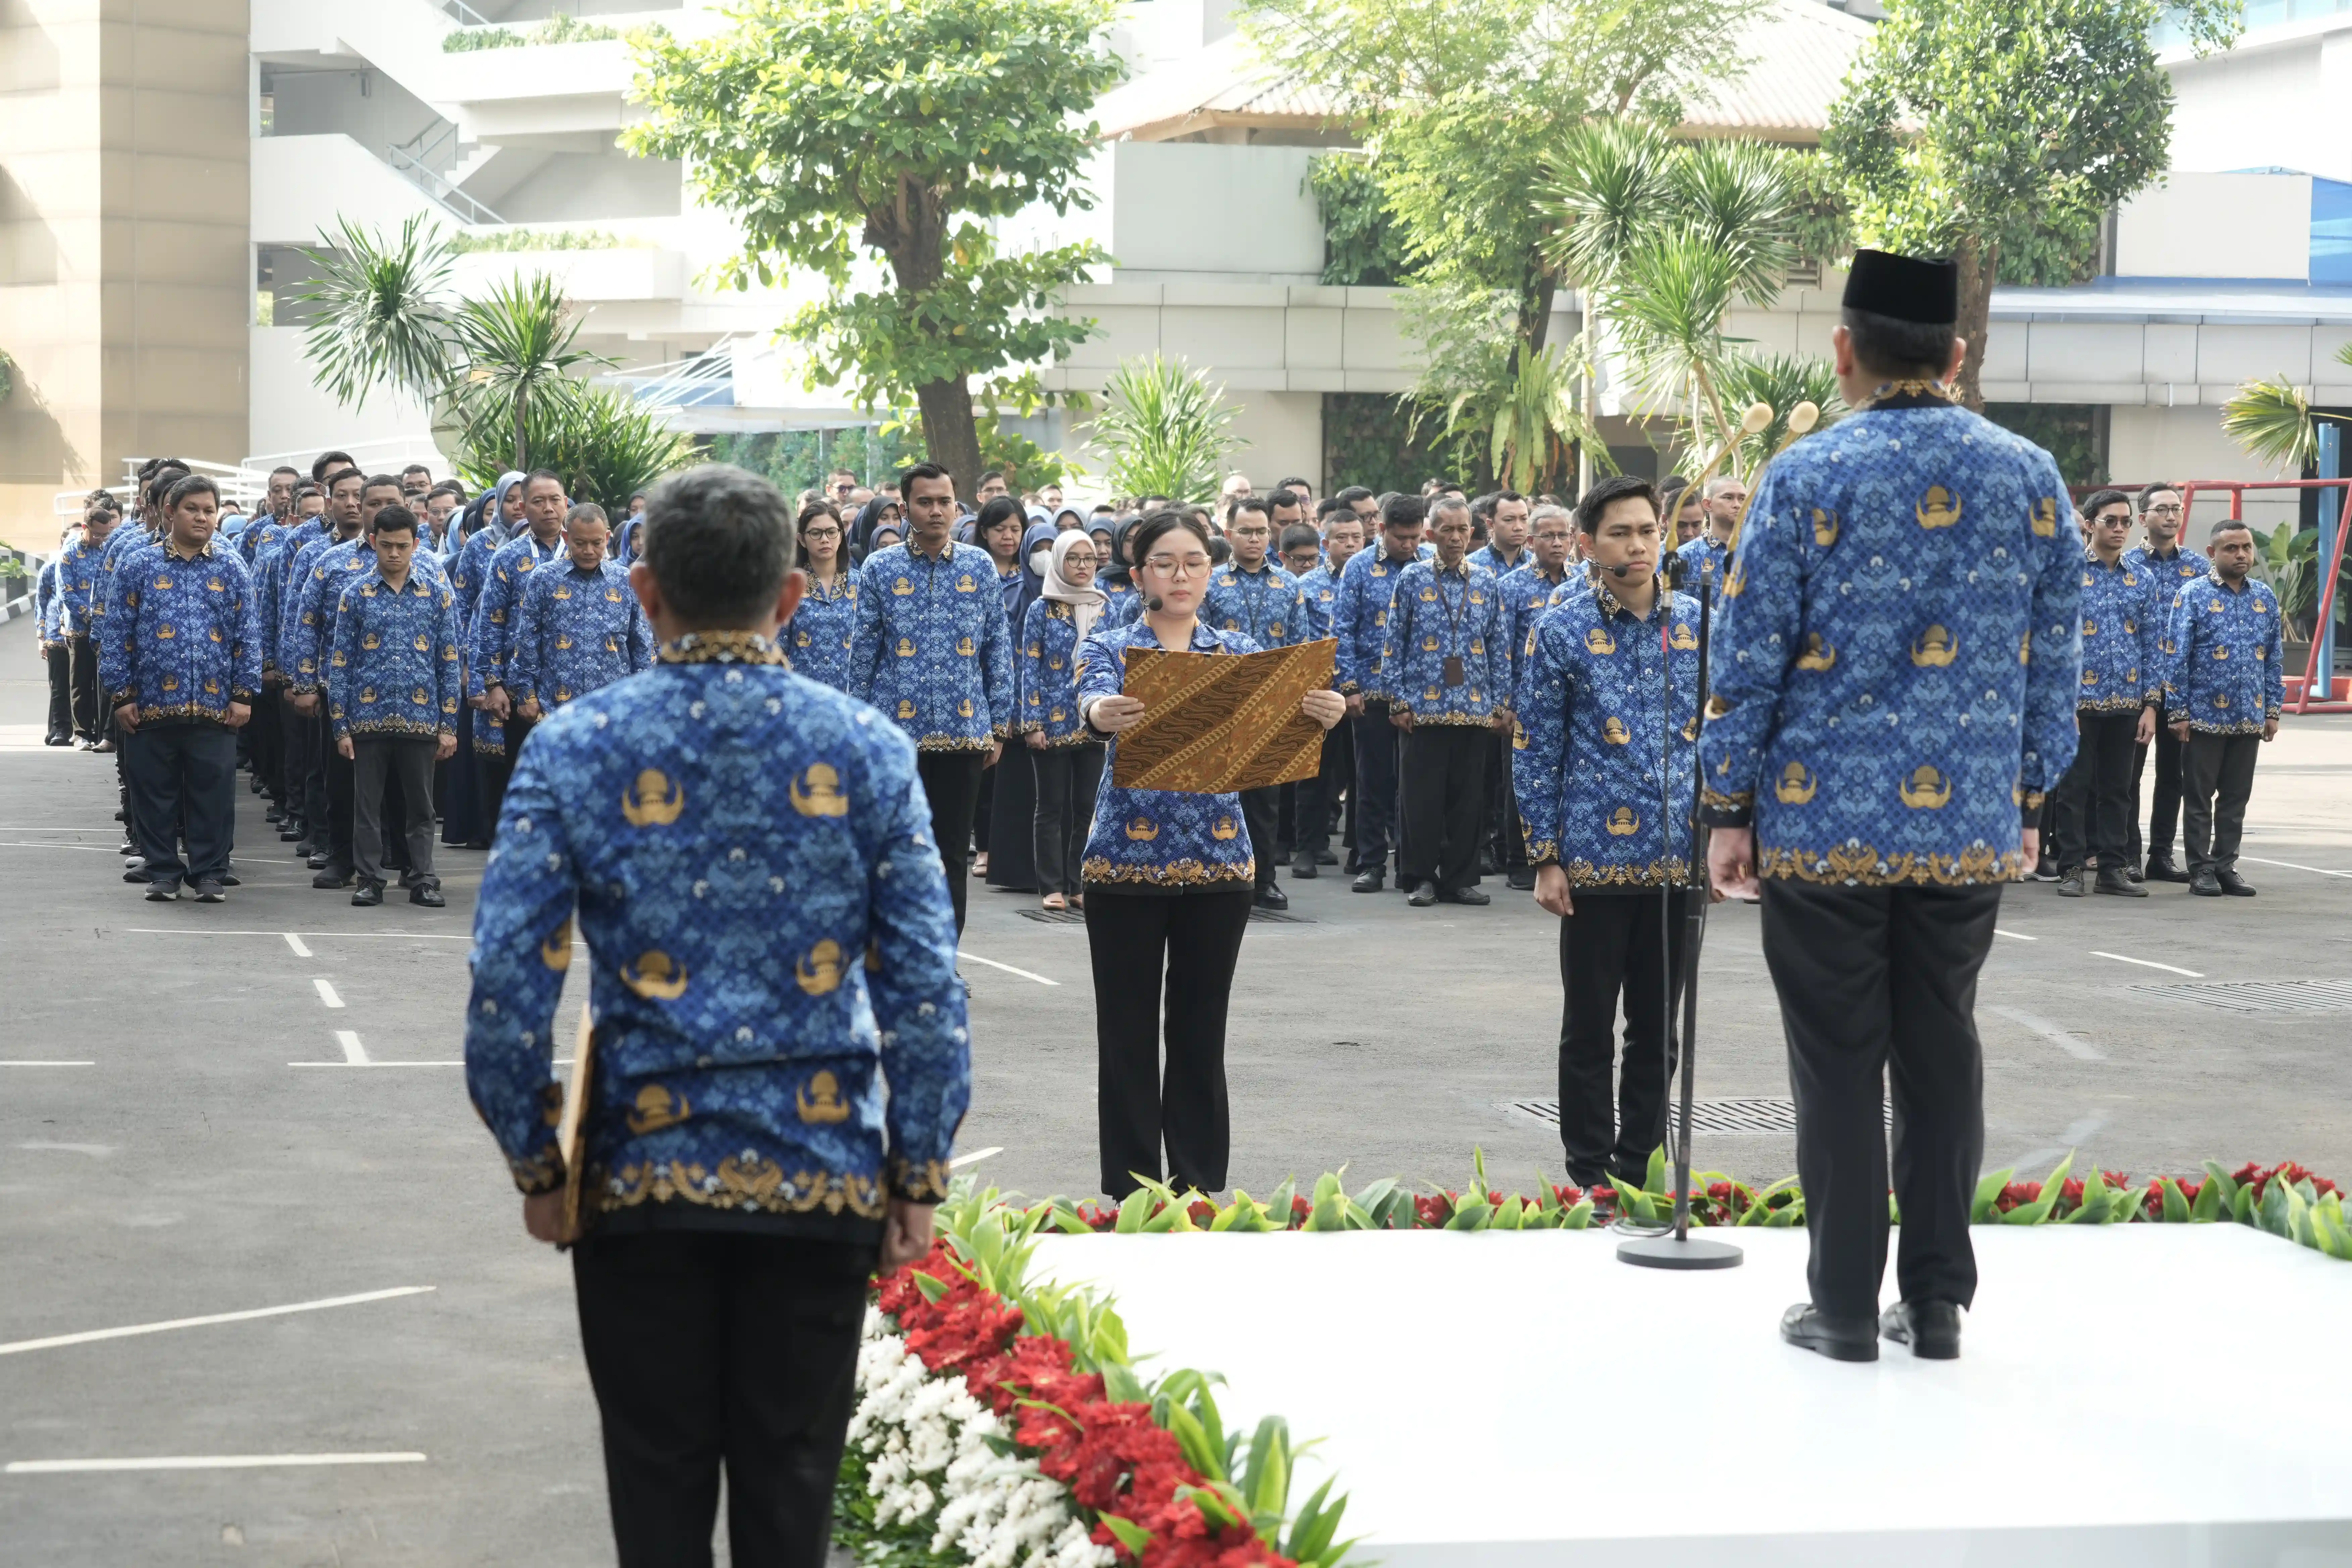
[
  {"x": 751, "y": 1182},
  {"x": 2125, "y": 704},
  {"x": 1673, "y": 871},
  {"x": 360, "y": 729},
  {"x": 1542, "y": 851},
  {"x": 488, "y": 748},
  {"x": 539, "y": 1173},
  {"x": 1909, "y": 387},
  {"x": 955, "y": 742},
  {"x": 1445, "y": 721},
  {"x": 1713, "y": 799},
  {"x": 720, "y": 647},
  {"x": 923, "y": 1183},
  {"x": 1860, "y": 864},
  {"x": 1178, "y": 874},
  {"x": 2242, "y": 727},
  {"x": 198, "y": 711}
]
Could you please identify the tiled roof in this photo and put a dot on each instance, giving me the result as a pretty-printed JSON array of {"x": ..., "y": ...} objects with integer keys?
[{"x": 1799, "y": 52}]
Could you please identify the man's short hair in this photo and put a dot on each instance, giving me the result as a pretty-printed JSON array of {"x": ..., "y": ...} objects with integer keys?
[
  {"x": 909, "y": 474},
  {"x": 992, "y": 474},
  {"x": 2149, "y": 492},
  {"x": 380, "y": 481},
  {"x": 1919, "y": 350},
  {"x": 536, "y": 475},
  {"x": 585, "y": 512},
  {"x": 719, "y": 542},
  {"x": 2228, "y": 525},
  {"x": 2099, "y": 501},
  {"x": 1448, "y": 503},
  {"x": 1283, "y": 495},
  {"x": 1297, "y": 486},
  {"x": 338, "y": 475},
  {"x": 1595, "y": 503},
  {"x": 447, "y": 488},
  {"x": 285, "y": 469},
  {"x": 1403, "y": 511},
  {"x": 1300, "y": 536},
  {"x": 416, "y": 469},
  {"x": 393, "y": 516},
  {"x": 1239, "y": 504},
  {"x": 1720, "y": 483},
  {"x": 1331, "y": 504},
  {"x": 187, "y": 485},
  {"x": 329, "y": 465},
  {"x": 1353, "y": 494},
  {"x": 304, "y": 491},
  {"x": 1545, "y": 513}
]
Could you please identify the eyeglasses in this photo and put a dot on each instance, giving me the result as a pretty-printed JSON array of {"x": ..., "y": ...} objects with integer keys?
[
  {"x": 1174, "y": 566},
  {"x": 2173, "y": 510}
]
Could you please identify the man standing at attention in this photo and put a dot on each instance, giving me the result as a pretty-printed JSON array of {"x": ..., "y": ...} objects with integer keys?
[
  {"x": 2223, "y": 692},
  {"x": 1254, "y": 596},
  {"x": 934, "y": 653},
  {"x": 1367, "y": 585},
  {"x": 2174, "y": 566},
  {"x": 578, "y": 628},
  {"x": 539, "y": 543},
  {"x": 1894, "y": 676},
  {"x": 781, "y": 1058},
  {"x": 2115, "y": 706}
]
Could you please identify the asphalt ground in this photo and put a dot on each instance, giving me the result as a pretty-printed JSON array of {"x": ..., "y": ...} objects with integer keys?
[{"x": 189, "y": 1170}]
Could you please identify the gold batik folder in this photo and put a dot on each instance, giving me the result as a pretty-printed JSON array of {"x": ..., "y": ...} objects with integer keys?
[
  {"x": 572, "y": 1128},
  {"x": 1215, "y": 722}
]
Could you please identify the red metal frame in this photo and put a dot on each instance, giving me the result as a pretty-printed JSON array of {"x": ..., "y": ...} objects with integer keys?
[{"x": 2300, "y": 700}]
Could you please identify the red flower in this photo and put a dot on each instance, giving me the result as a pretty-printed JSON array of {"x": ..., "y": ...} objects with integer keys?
[{"x": 1202, "y": 1212}]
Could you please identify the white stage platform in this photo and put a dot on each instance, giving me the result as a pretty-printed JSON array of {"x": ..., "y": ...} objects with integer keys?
[{"x": 2130, "y": 1397}]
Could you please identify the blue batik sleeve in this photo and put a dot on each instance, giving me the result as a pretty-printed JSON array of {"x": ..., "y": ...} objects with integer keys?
[
  {"x": 640, "y": 636},
  {"x": 522, "y": 945},
  {"x": 2053, "y": 656},
  {"x": 2274, "y": 657},
  {"x": 1394, "y": 628},
  {"x": 1539, "y": 744},
  {"x": 865, "y": 643},
  {"x": 996, "y": 666},
  {"x": 116, "y": 638},
  {"x": 918, "y": 1006},
  {"x": 1496, "y": 633},
  {"x": 244, "y": 650},
  {"x": 1029, "y": 687},
  {"x": 342, "y": 664},
  {"x": 523, "y": 650},
  {"x": 1763, "y": 599},
  {"x": 2179, "y": 631},
  {"x": 449, "y": 681}
]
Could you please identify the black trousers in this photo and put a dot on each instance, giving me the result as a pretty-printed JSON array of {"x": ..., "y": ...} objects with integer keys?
[
  {"x": 721, "y": 1349},
  {"x": 183, "y": 782},
  {"x": 1262, "y": 815},
  {"x": 306, "y": 775},
  {"x": 1319, "y": 797},
  {"x": 1068, "y": 779},
  {"x": 1612, "y": 949},
  {"x": 263, "y": 728},
  {"x": 1443, "y": 792},
  {"x": 1375, "y": 788},
  {"x": 2219, "y": 776},
  {"x": 1193, "y": 940},
  {"x": 405, "y": 764},
  {"x": 2094, "y": 799},
  {"x": 493, "y": 772},
  {"x": 1501, "y": 827},
  {"x": 333, "y": 832},
  {"x": 952, "y": 781},
  {"x": 82, "y": 655},
  {"x": 1878, "y": 988},
  {"x": 58, "y": 663},
  {"x": 2164, "y": 803}
]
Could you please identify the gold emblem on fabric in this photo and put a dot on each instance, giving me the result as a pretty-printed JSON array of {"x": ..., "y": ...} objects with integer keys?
[
  {"x": 820, "y": 1103},
  {"x": 819, "y": 973},
  {"x": 1795, "y": 785},
  {"x": 653, "y": 977},
  {"x": 1623, "y": 822},
  {"x": 1934, "y": 649},
  {"x": 657, "y": 1108},
  {"x": 1818, "y": 654},
  {"x": 653, "y": 801},
  {"x": 817, "y": 792},
  {"x": 556, "y": 951},
  {"x": 1825, "y": 526},
  {"x": 1926, "y": 789},
  {"x": 1939, "y": 508}
]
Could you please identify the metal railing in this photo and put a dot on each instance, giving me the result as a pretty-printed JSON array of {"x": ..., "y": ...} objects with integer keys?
[
  {"x": 439, "y": 188},
  {"x": 464, "y": 13},
  {"x": 700, "y": 381}
]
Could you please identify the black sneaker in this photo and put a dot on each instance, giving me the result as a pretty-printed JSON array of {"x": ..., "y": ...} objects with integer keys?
[
  {"x": 2045, "y": 869},
  {"x": 1471, "y": 896},
  {"x": 1835, "y": 1338},
  {"x": 1371, "y": 881},
  {"x": 2113, "y": 881},
  {"x": 1932, "y": 1329},
  {"x": 211, "y": 893},
  {"x": 2233, "y": 884},
  {"x": 1303, "y": 868},
  {"x": 2070, "y": 883},
  {"x": 368, "y": 894},
  {"x": 163, "y": 892},
  {"x": 1423, "y": 895}
]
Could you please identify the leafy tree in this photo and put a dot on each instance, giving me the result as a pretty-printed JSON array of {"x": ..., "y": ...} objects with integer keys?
[
  {"x": 1971, "y": 128},
  {"x": 842, "y": 132},
  {"x": 1163, "y": 430}
]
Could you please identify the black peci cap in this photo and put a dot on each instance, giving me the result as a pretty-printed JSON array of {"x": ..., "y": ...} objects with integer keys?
[{"x": 1903, "y": 287}]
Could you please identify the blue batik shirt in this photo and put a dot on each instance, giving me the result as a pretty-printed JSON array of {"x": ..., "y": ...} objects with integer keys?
[
  {"x": 495, "y": 610},
  {"x": 77, "y": 584},
  {"x": 933, "y": 649},
  {"x": 1701, "y": 559},
  {"x": 49, "y": 602},
  {"x": 296, "y": 641},
  {"x": 1264, "y": 605},
  {"x": 752, "y": 861},
  {"x": 274, "y": 562},
  {"x": 1897, "y": 650},
  {"x": 2123, "y": 610},
  {"x": 1122, "y": 602},
  {"x": 1359, "y": 622},
  {"x": 1526, "y": 593},
  {"x": 1319, "y": 590},
  {"x": 1440, "y": 614},
  {"x": 1150, "y": 840},
  {"x": 1485, "y": 555},
  {"x": 1601, "y": 762},
  {"x": 470, "y": 571},
  {"x": 575, "y": 631},
  {"x": 393, "y": 666},
  {"x": 1049, "y": 675},
  {"x": 309, "y": 626},
  {"x": 182, "y": 638},
  {"x": 2174, "y": 570},
  {"x": 2224, "y": 673},
  {"x": 127, "y": 539},
  {"x": 824, "y": 629}
]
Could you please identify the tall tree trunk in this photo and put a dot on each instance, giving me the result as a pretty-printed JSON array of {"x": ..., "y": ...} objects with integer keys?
[
  {"x": 1980, "y": 264},
  {"x": 1535, "y": 310},
  {"x": 948, "y": 435}
]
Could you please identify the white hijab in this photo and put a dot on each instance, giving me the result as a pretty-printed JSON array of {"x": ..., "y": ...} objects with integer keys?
[{"x": 1086, "y": 600}]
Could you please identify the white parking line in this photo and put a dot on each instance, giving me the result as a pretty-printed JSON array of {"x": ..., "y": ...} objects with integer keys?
[
  {"x": 974, "y": 1158},
  {"x": 375, "y": 1064},
  {"x": 314, "y": 935},
  {"x": 354, "y": 1054},
  {"x": 294, "y": 940},
  {"x": 326, "y": 992},
  {"x": 4, "y": 1063},
  {"x": 204, "y": 1462},
  {"x": 2014, "y": 935},
  {"x": 2147, "y": 963},
  {"x": 92, "y": 1335},
  {"x": 2072, "y": 1044},
  {"x": 30, "y": 843},
  {"x": 2291, "y": 865},
  {"x": 1008, "y": 969}
]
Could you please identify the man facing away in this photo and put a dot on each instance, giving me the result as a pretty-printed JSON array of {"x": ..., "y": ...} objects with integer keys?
[
  {"x": 2223, "y": 692},
  {"x": 750, "y": 859},
  {"x": 1893, "y": 672}
]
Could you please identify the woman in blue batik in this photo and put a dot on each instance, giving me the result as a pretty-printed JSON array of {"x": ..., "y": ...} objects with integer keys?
[
  {"x": 1168, "y": 879},
  {"x": 1008, "y": 794},
  {"x": 1013, "y": 819},
  {"x": 1116, "y": 580},
  {"x": 1066, "y": 760},
  {"x": 482, "y": 527},
  {"x": 823, "y": 628}
]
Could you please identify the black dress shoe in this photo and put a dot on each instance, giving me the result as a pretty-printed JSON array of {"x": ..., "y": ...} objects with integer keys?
[
  {"x": 2070, "y": 883},
  {"x": 2205, "y": 884},
  {"x": 1303, "y": 868},
  {"x": 2113, "y": 881},
  {"x": 368, "y": 894},
  {"x": 1423, "y": 895},
  {"x": 1522, "y": 879},
  {"x": 1271, "y": 898},
  {"x": 137, "y": 873},
  {"x": 428, "y": 893},
  {"x": 289, "y": 835},
  {"x": 332, "y": 877},
  {"x": 1371, "y": 881},
  {"x": 2233, "y": 884},
  {"x": 1326, "y": 857},
  {"x": 317, "y": 860},
  {"x": 56, "y": 739},
  {"x": 1471, "y": 896},
  {"x": 163, "y": 892},
  {"x": 211, "y": 893},
  {"x": 1488, "y": 865},
  {"x": 2134, "y": 875},
  {"x": 2045, "y": 869},
  {"x": 2160, "y": 869},
  {"x": 1838, "y": 1338},
  {"x": 1932, "y": 1329}
]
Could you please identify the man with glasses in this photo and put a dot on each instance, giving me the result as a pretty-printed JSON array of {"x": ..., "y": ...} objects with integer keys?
[
  {"x": 2174, "y": 567},
  {"x": 1704, "y": 557},
  {"x": 1253, "y": 595}
]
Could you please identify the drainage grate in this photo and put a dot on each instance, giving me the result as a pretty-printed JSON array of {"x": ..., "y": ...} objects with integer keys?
[
  {"x": 1720, "y": 1117},
  {"x": 1055, "y": 917},
  {"x": 2262, "y": 996}
]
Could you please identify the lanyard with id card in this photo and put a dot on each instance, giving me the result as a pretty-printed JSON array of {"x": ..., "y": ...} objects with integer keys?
[{"x": 1453, "y": 674}]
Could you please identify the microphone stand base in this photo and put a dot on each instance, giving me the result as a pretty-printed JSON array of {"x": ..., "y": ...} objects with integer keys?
[{"x": 1666, "y": 1252}]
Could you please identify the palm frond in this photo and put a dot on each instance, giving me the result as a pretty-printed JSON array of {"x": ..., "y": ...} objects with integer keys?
[
  {"x": 1668, "y": 307},
  {"x": 1537, "y": 419},
  {"x": 1781, "y": 380},
  {"x": 1163, "y": 430},
  {"x": 1738, "y": 195},
  {"x": 520, "y": 347},
  {"x": 2270, "y": 422},
  {"x": 381, "y": 316},
  {"x": 1610, "y": 180}
]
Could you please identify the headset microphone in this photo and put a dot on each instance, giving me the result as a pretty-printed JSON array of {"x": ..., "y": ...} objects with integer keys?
[{"x": 1152, "y": 604}]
